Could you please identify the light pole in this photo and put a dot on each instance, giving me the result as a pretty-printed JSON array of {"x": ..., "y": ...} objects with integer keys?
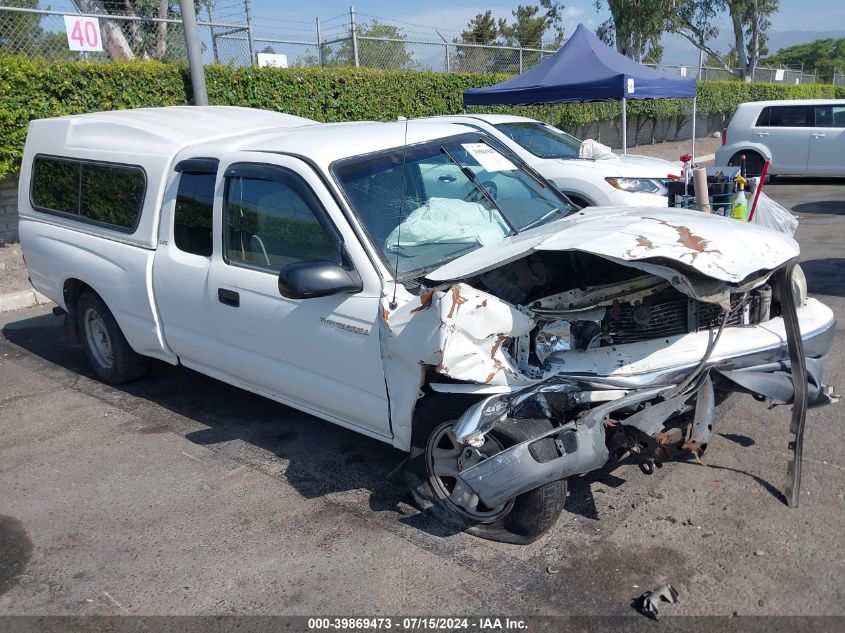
[{"x": 192, "y": 42}]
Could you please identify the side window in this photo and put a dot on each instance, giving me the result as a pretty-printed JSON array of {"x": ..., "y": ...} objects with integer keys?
[
  {"x": 273, "y": 222},
  {"x": 193, "y": 214},
  {"x": 762, "y": 120},
  {"x": 829, "y": 116},
  {"x": 100, "y": 193},
  {"x": 822, "y": 116},
  {"x": 789, "y": 116}
]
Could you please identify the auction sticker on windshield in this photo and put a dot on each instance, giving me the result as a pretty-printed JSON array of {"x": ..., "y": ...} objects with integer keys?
[{"x": 488, "y": 158}]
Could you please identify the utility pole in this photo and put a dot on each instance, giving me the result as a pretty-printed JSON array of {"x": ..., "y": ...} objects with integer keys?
[
  {"x": 248, "y": 12},
  {"x": 319, "y": 44},
  {"x": 354, "y": 35},
  {"x": 192, "y": 42}
]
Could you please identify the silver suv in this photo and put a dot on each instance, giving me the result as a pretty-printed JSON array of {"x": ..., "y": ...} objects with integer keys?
[{"x": 798, "y": 137}]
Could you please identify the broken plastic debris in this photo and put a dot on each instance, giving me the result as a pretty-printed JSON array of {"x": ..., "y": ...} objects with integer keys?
[{"x": 647, "y": 603}]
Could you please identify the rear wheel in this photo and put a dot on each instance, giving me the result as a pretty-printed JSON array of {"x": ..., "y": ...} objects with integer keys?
[
  {"x": 433, "y": 478},
  {"x": 105, "y": 347},
  {"x": 753, "y": 163}
]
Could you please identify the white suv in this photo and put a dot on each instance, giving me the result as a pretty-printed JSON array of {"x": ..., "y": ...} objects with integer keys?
[
  {"x": 799, "y": 137},
  {"x": 608, "y": 181}
]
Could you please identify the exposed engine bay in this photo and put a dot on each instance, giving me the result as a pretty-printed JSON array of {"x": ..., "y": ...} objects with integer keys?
[{"x": 580, "y": 301}]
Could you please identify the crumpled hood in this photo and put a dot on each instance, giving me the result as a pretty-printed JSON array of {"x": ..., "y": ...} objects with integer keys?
[{"x": 651, "y": 239}]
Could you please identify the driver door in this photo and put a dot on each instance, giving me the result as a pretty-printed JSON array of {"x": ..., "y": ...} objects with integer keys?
[{"x": 318, "y": 354}]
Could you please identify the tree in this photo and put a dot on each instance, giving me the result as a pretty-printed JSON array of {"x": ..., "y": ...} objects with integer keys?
[
  {"x": 825, "y": 56},
  {"x": 20, "y": 33},
  {"x": 527, "y": 30},
  {"x": 635, "y": 26},
  {"x": 530, "y": 28},
  {"x": 482, "y": 30},
  {"x": 379, "y": 46},
  {"x": 554, "y": 14},
  {"x": 697, "y": 21},
  {"x": 128, "y": 39}
]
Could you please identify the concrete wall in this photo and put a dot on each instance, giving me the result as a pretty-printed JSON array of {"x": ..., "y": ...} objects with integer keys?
[
  {"x": 647, "y": 132},
  {"x": 8, "y": 210}
]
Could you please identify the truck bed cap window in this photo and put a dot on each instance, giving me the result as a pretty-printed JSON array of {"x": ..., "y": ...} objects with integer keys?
[{"x": 106, "y": 194}]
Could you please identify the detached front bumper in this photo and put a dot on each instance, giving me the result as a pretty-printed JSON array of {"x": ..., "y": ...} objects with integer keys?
[{"x": 787, "y": 368}]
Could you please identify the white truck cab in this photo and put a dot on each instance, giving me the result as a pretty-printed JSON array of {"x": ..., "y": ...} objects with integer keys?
[{"x": 416, "y": 283}]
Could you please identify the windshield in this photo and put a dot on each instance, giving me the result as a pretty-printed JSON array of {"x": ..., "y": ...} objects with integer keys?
[
  {"x": 544, "y": 141},
  {"x": 455, "y": 195}
]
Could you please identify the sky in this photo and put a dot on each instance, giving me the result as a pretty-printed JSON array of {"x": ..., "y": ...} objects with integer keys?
[{"x": 813, "y": 15}]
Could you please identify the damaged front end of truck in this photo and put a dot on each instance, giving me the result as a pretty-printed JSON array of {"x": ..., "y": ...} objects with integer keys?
[{"x": 622, "y": 330}]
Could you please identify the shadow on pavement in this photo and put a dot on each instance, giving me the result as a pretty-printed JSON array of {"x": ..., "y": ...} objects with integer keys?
[
  {"x": 806, "y": 180},
  {"x": 825, "y": 276},
  {"x": 824, "y": 207},
  {"x": 322, "y": 458}
]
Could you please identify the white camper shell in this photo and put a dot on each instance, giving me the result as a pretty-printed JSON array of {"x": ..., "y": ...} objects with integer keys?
[{"x": 149, "y": 138}]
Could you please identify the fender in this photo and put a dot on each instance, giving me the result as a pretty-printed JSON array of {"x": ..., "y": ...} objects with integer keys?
[{"x": 724, "y": 153}]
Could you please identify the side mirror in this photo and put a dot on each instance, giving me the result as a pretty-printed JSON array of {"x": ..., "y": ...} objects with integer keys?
[{"x": 306, "y": 280}]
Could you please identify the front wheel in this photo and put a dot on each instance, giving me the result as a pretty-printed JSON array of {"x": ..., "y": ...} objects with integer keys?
[{"x": 434, "y": 481}]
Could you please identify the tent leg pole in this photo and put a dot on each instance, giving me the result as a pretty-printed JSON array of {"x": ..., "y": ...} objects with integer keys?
[
  {"x": 624, "y": 125},
  {"x": 694, "y": 99}
]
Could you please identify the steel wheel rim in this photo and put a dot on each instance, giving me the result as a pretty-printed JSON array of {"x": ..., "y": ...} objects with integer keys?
[
  {"x": 97, "y": 337},
  {"x": 442, "y": 455}
]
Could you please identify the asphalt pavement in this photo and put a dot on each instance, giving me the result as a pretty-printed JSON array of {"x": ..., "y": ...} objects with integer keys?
[{"x": 177, "y": 494}]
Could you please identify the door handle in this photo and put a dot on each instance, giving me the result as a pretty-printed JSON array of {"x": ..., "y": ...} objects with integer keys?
[
  {"x": 446, "y": 178},
  {"x": 228, "y": 297},
  {"x": 762, "y": 133},
  {"x": 818, "y": 134}
]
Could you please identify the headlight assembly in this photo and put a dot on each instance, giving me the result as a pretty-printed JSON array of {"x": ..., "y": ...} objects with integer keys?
[{"x": 639, "y": 185}]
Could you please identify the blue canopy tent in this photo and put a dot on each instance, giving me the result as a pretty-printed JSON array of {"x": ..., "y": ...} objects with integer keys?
[{"x": 586, "y": 69}]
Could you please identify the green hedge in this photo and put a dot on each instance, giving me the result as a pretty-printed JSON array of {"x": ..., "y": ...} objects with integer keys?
[{"x": 34, "y": 89}]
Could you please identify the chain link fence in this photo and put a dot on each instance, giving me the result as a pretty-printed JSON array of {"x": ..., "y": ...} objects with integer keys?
[{"x": 229, "y": 35}]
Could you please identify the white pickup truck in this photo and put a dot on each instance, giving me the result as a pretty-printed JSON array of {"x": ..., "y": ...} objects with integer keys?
[{"x": 414, "y": 283}]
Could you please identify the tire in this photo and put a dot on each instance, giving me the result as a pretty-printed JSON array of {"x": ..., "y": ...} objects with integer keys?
[
  {"x": 753, "y": 162},
  {"x": 105, "y": 347},
  {"x": 578, "y": 200},
  {"x": 519, "y": 521}
]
